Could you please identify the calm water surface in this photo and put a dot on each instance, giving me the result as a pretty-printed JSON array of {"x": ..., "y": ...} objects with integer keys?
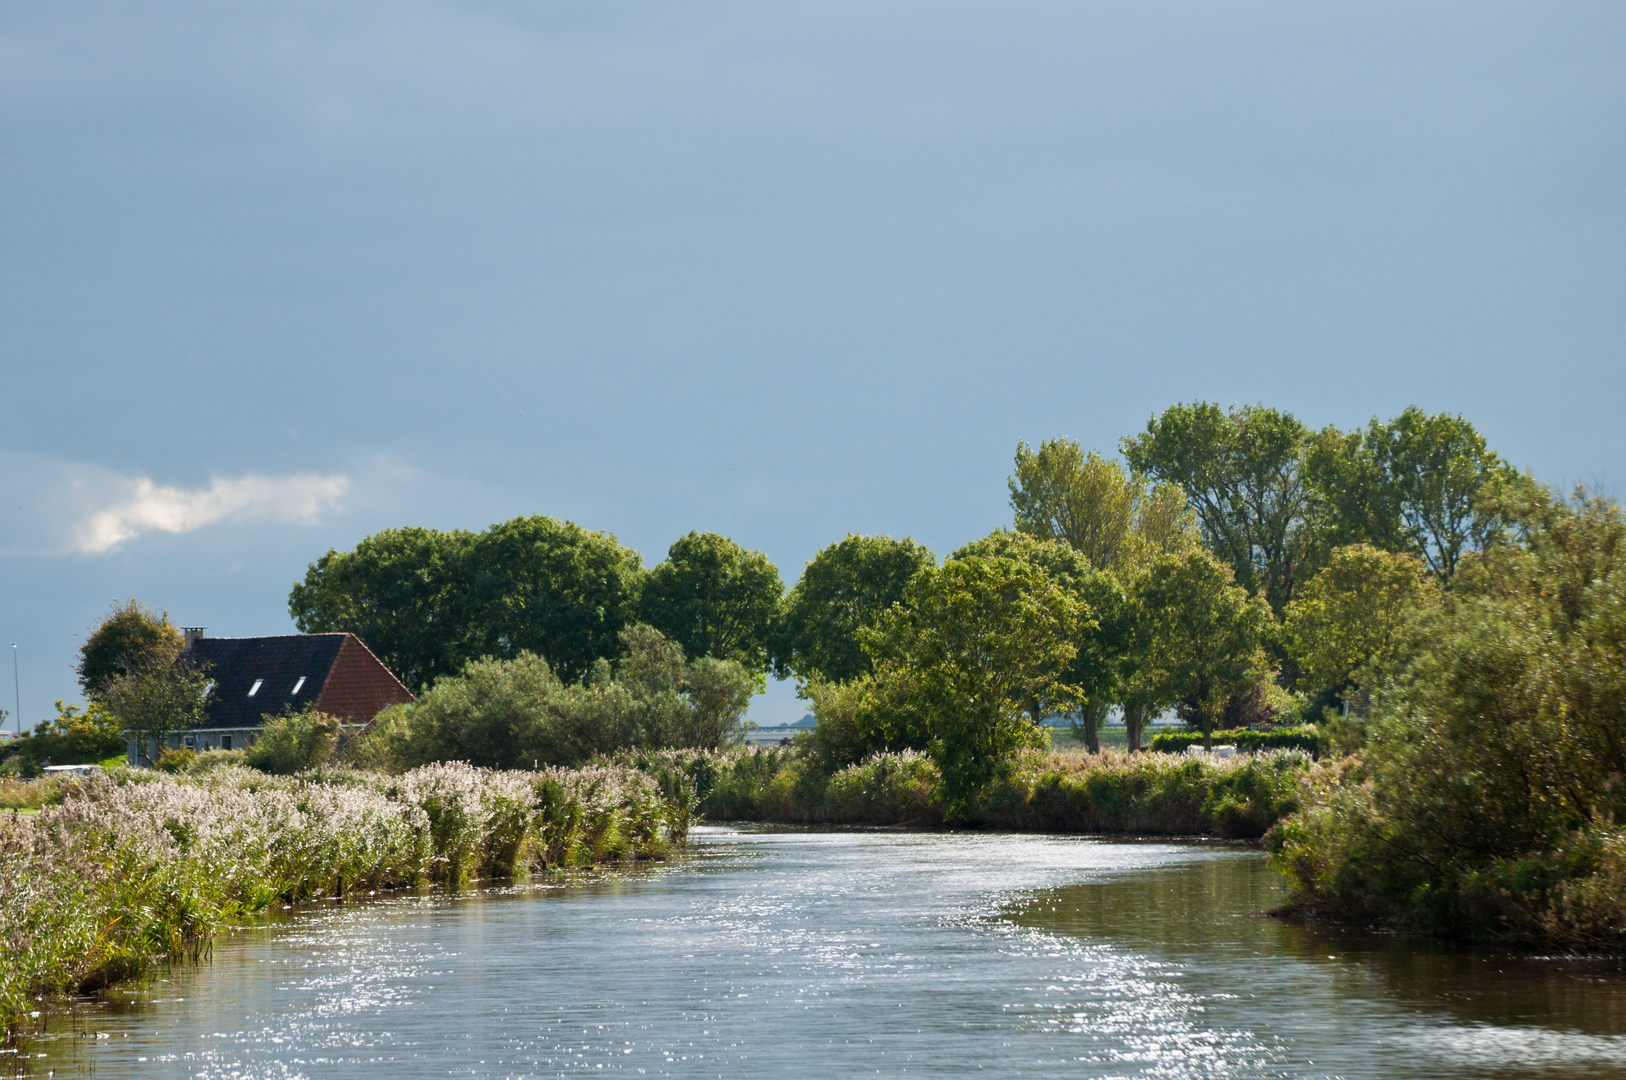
[{"x": 839, "y": 953}]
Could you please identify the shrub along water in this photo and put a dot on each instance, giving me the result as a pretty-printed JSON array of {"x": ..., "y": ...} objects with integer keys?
[
  {"x": 135, "y": 867},
  {"x": 1142, "y": 794},
  {"x": 1490, "y": 798}
]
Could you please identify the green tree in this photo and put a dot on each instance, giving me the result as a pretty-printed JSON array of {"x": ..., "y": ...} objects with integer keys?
[
  {"x": 427, "y": 602},
  {"x": 1357, "y": 615},
  {"x": 157, "y": 698},
  {"x": 714, "y": 598},
  {"x": 1094, "y": 505},
  {"x": 130, "y": 637},
  {"x": 980, "y": 638},
  {"x": 552, "y": 588},
  {"x": 843, "y": 591},
  {"x": 1242, "y": 470},
  {"x": 1414, "y": 484},
  {"x": 1202, "y": 632},
  {"x": 1088, "y": 688},
  {"x": 402, "y": 591},
  {"x": 297, "y": 742}
]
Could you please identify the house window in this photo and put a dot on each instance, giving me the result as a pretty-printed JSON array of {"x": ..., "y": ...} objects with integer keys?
[
  {"x": 191, "y": 740},
  {"x": 225, "y": 742},
  {"x": 255, "y": 689},
  {"x": 298, "y": 684}
]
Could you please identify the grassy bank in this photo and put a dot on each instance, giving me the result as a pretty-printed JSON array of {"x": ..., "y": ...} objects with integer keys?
[
  {"x": 1140, "y": 794},
  {"x": 114, "y": 873}
]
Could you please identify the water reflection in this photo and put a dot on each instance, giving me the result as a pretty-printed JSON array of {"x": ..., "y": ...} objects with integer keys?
[{"x": 826, "y": 954}]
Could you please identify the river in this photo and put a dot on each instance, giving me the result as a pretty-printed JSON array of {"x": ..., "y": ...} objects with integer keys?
[{"x": 834, "y": 953}]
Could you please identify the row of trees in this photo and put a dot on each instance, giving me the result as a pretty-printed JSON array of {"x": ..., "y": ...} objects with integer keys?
[
  {"x": 1231, "y": 559},
  {"x": 429, "y": 602}
]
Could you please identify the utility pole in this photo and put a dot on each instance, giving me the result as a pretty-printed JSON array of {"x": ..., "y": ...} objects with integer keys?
[{"x": 16, "y": 688}]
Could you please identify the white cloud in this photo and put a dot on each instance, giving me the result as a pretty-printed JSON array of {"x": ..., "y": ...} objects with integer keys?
[{"x": 147, "y": 507}]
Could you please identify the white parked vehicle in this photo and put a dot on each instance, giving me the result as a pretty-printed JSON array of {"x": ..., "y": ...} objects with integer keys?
[{"x": 72, "y": 770}]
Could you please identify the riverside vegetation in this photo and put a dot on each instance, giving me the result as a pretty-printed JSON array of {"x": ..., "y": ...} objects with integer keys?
[
  {"x": 1444, "y": 634},
  {"x": 114, "y": 873}
]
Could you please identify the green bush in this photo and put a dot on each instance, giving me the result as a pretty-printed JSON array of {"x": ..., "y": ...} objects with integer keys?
[
  {"x": 76, "y": 737},
  {"x": 1147, "y": 794},
  {"x": 1488, "y": 799},
  {"x": 292, "y": 744},
  {"x": 519, "y": 714},
  {"x": 1297, "y": 738}
]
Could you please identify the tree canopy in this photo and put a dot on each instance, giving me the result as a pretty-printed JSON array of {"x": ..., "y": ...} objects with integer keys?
[
  {"x": 845, "y": 589},
  {"x": 130, "y": 637},
  {"x": 1241, "y": 469},
  {"x": 1414, "y": 484},
  {"x": 1354, "y": 615},
  {"x": 714, "y": 598},
  {"x": 1203, "y": 634},
  {"x": 1094, "y": 505},
  {"x": 428, "y": 602},
  {"x": 979, "y": 639}
]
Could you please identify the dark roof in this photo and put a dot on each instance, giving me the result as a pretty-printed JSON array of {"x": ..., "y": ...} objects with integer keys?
[{"x": 278, "y": 663}]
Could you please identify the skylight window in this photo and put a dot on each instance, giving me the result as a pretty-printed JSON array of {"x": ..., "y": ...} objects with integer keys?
[
  {"x": 255, "y": 689},
  {"x": 298, "y": 684}
]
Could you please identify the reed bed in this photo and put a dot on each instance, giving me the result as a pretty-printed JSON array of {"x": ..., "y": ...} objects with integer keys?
[
  {"x": 1110, "y": 792},
  {"x": 114, "y": 873}
]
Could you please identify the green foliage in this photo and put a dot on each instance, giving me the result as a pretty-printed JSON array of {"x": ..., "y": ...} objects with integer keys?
[
  {"x": 1241, "y": 469},
  {"x": 1109, "y": 793},
  {"x": 1095, "y": 506},
  {"x": 77, "y": 736},
  {"x": 843, "y": 591},
  {"x": 1143, "y": 794},
  {"x": 1086, "y": 502},
  {"x": 157, "y": 698},
  {"x": 1488, "y": 797},
  {"x": 1415, "y": 484},
  {"x": 714, "y": 598},
  {"x": 1105, "y": 635},
  {"x": 173, "y": 760},
  {"x": 1202, "y": 633},
  {"x": 982, "y": 637},
  {"x": 518, "y": 713},
  {"x": 1356, "y": 616},
  {"x": 864, "y": 716},
  {"x": 129, "y": 638},
  {"x": 295, "y": 743},
  {"x": 428, "y": 602},
  {"x": 1284, "y": 738}
]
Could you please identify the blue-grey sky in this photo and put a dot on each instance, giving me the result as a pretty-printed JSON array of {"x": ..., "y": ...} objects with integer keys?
[{"x": 274, "y": 276}]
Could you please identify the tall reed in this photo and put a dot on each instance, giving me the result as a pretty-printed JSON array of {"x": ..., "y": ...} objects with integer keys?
[{"x": 136, "y": 867}]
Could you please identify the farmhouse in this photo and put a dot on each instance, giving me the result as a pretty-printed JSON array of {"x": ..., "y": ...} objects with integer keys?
[{"x": 258, "y": 677}]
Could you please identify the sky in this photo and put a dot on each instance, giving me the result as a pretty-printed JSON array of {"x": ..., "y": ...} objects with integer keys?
[{"x": 276, "y": 276}]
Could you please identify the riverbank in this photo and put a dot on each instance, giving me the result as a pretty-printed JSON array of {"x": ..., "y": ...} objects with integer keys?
[
  {"x": 115, "y": 873},
  {"x": 1109, "y": 792}
]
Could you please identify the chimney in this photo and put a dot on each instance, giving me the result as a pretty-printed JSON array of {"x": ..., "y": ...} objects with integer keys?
[{"x": 191, "y": 634}]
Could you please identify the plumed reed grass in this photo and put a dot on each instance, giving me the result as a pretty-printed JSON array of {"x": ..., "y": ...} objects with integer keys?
[{"x": 135, "y": 867}]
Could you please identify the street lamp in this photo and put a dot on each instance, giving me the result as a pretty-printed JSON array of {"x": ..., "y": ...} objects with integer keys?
[{"x": 16, "y": 688}]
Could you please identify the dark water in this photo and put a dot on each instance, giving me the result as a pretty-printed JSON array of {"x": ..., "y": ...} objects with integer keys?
[{"x": 834, "y": 954}]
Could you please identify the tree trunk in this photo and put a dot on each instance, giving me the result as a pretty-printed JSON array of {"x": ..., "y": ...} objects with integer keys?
[
  {"x": 1134, "y": 723},
  {"x": 1092, "y": 730}
]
